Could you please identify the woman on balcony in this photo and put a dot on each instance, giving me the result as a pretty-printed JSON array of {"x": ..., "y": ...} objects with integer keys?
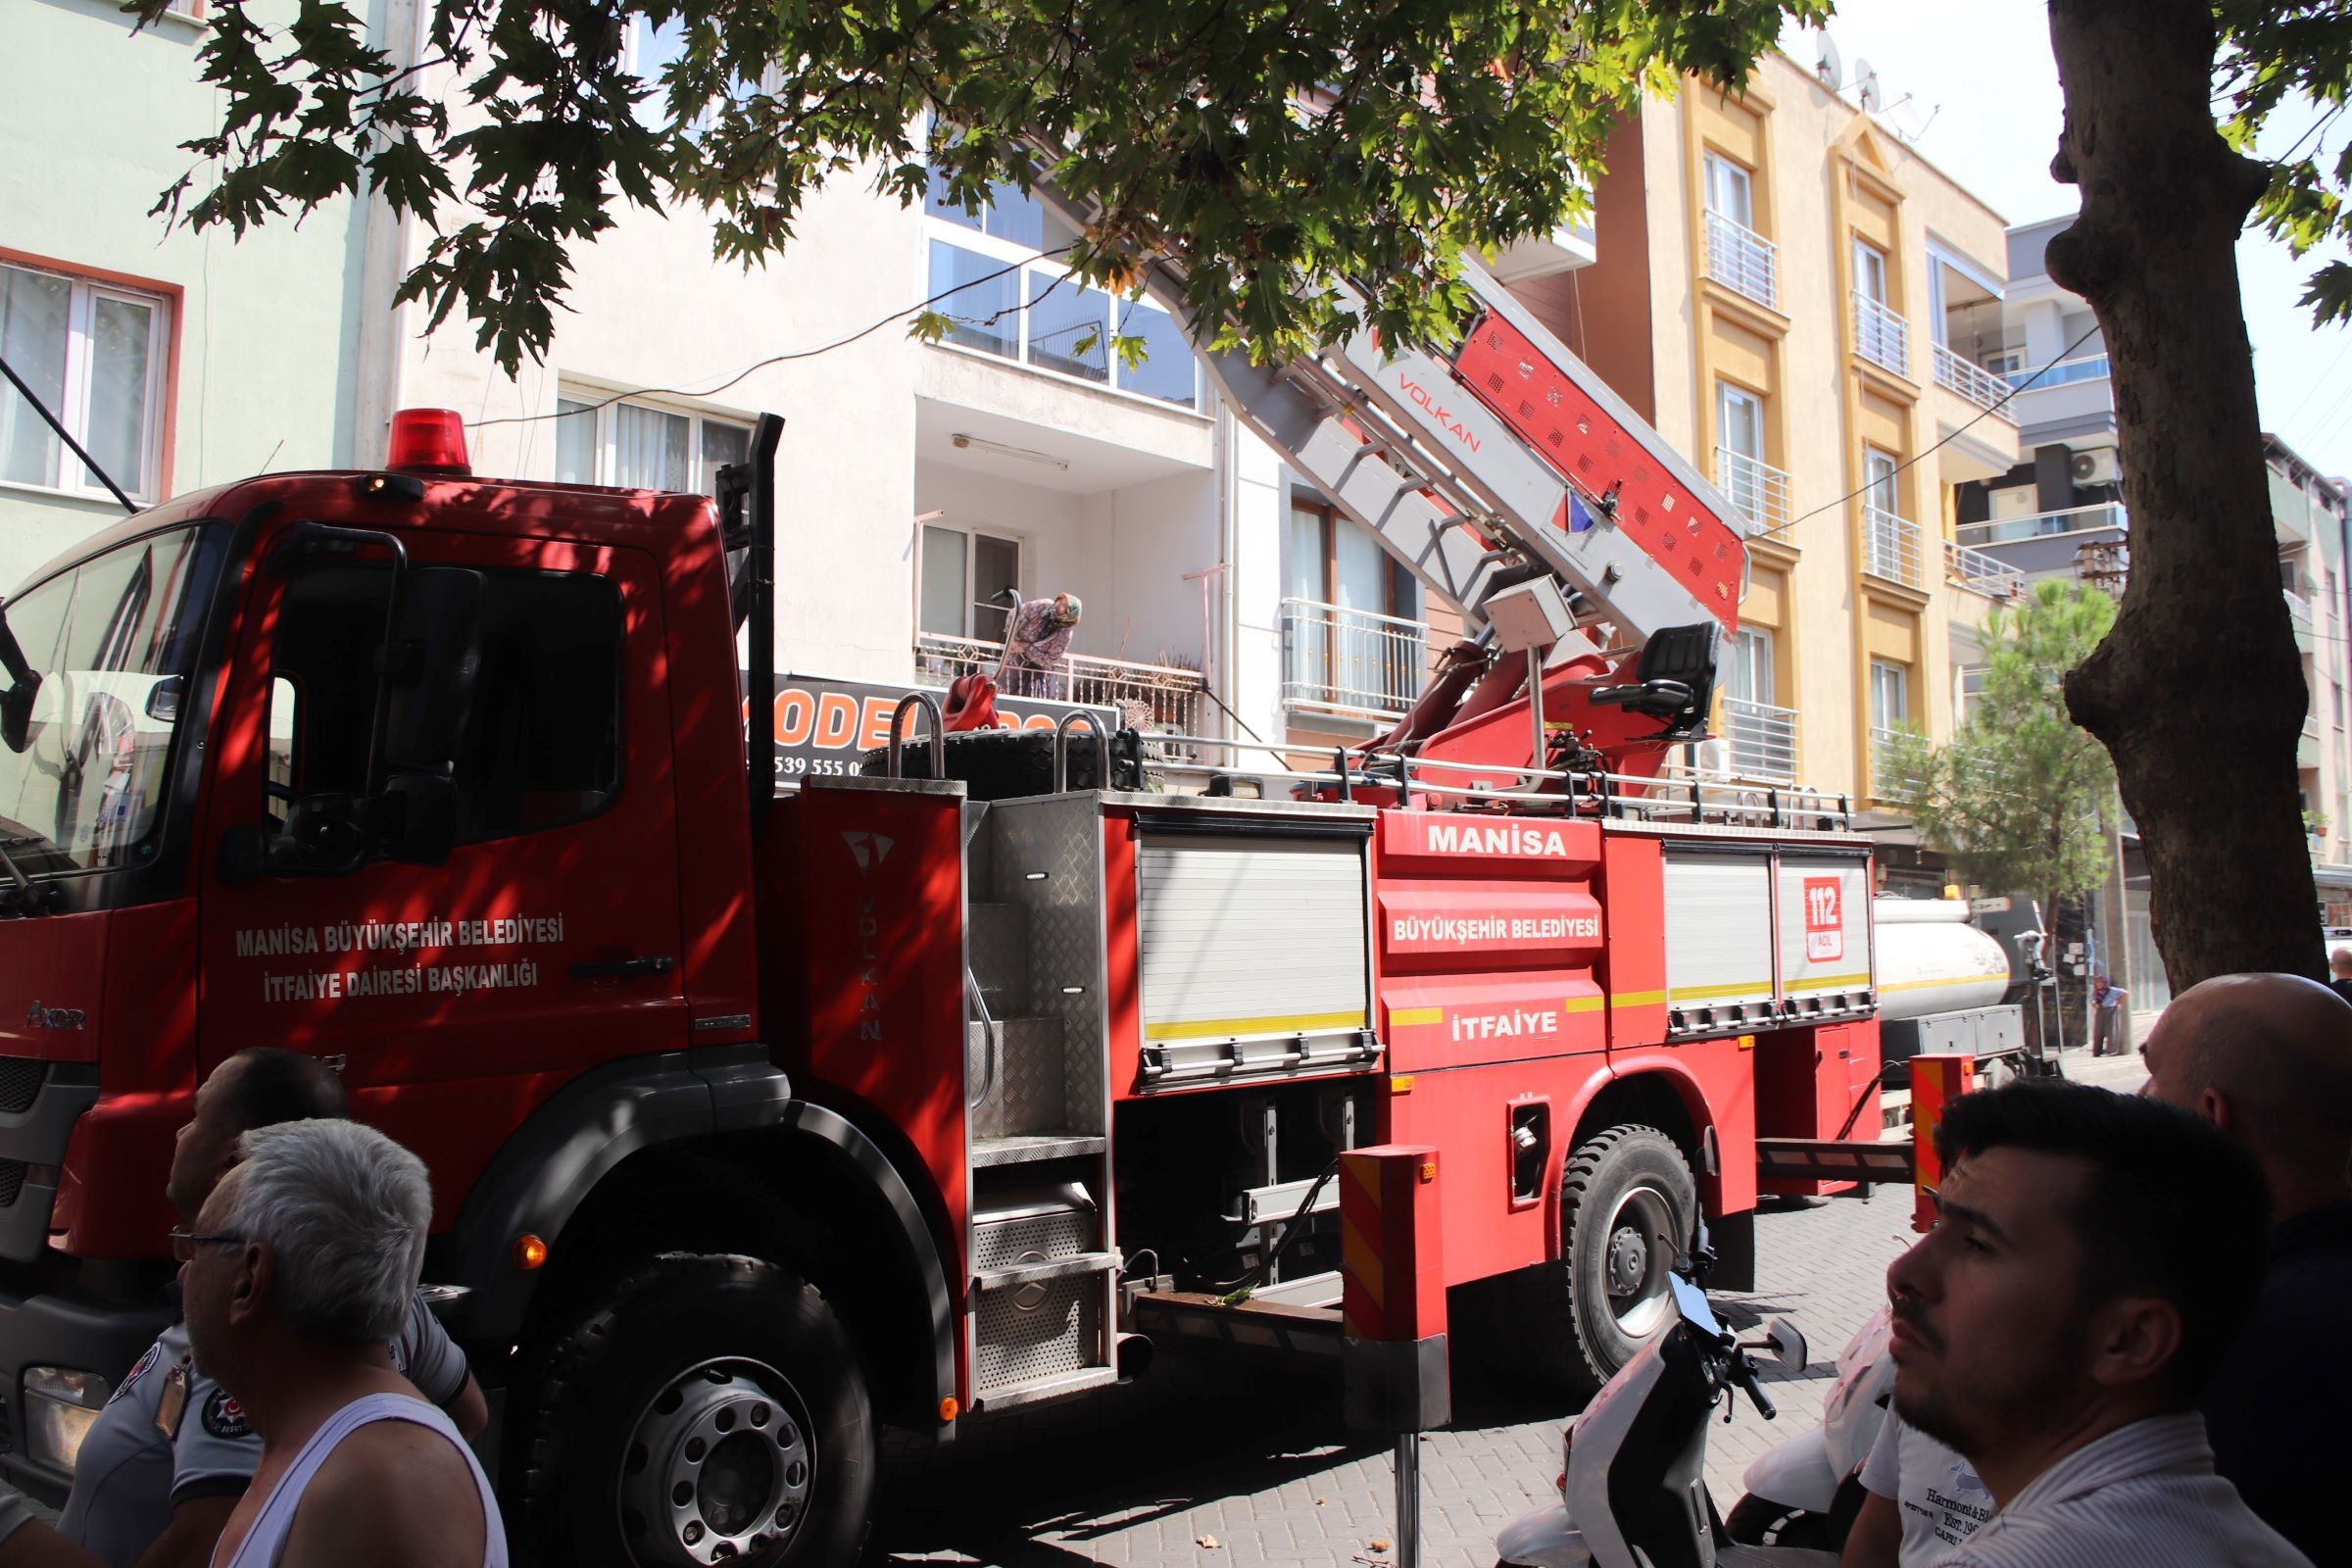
[{"x": 1037, "y": 647}]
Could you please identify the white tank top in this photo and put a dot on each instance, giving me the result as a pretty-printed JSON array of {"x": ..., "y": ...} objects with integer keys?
[{"x": 266, "y": 1543}]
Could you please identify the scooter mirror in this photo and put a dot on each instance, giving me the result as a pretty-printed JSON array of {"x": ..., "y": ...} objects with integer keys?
[{"x": 1788, "y": 1343}]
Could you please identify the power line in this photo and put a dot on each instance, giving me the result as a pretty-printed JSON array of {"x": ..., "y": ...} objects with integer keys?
[
  {"x": 2015, "y": 389},
  {"x": 779, "y": 359}
]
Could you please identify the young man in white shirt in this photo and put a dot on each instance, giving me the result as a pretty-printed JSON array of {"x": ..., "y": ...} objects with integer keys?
[{"x": 2094, "y": 1256}]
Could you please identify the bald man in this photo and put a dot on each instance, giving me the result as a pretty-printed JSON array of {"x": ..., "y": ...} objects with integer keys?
[{"x": 2268, "y": 1059}]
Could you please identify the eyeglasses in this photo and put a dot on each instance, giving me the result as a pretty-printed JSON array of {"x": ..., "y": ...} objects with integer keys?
[{"x": 183, "y": 1242}]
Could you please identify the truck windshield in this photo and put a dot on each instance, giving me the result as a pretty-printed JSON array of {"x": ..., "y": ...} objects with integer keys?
[{"x": 111, "y": 641}]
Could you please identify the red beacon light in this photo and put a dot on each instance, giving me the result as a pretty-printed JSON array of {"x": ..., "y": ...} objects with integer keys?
[{"x": 427, "y": 441}]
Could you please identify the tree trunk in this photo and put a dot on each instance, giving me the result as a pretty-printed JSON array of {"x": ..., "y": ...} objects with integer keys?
[{"x": 2198, "y": 691}]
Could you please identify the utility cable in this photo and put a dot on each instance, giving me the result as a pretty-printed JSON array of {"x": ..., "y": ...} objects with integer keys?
[
  {"x": 1986, "y": 410},
  {"x": 868, "y": 330}
]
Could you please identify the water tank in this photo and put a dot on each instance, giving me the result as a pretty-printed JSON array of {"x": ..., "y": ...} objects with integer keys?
[{"x": 1931, "y": 960}]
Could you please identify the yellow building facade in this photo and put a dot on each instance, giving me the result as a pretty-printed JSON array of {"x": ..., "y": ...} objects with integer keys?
[{"x": 1781, "y": 287}]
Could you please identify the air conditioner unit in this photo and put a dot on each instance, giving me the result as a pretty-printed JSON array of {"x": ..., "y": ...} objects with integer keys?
[
  {"x": 2096, "y": 465},
  {"x": 2018, "y": 501}
]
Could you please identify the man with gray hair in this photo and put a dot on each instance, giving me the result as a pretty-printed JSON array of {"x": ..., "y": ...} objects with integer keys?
[{"x": 299, "y": 1268}]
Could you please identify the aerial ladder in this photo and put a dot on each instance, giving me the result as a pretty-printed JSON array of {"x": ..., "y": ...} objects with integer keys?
[{"x": 1480, "y": 467}]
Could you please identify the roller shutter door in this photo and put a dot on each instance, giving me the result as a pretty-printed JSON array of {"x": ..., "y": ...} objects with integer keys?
[{"x": 1251, "y": 935}]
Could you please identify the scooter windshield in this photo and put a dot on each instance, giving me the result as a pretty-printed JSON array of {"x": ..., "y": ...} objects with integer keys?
[{"x": 1692, "y": 1302}]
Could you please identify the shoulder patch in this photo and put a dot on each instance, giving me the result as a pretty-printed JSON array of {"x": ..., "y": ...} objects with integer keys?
[
  {"x": 225, "y": 1418},
  {"x": 146, "y": 1364}
]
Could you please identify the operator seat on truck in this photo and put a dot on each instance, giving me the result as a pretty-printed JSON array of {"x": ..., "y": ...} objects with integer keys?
[{"x": 1675, "y": 681}]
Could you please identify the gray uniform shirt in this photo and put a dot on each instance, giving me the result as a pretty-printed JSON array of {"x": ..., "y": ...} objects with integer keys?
[
  {"x": 131, "y": 1474},
  {"x": 2143, "y": 1496}
]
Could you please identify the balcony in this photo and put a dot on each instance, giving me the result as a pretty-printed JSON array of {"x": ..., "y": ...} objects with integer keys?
[
  {"x": 1890, "y": 548},
  {"x": 1979, "y": 572},
  {"x": 1742, "y": 260},
  {"x": 1758, "y": 489},
  {"x": 1881, "y": 336},
  {"x": 1147, "y": 697},
  {"x": 1970, "y": 380},
  {"x": 1763, "y": 738},
  {"x": 1887, "y": 780},
  {"x": 2089, "y": 367},
  {"x": 2105, "y": 518},
  {"x": 1350, "y": 662}
]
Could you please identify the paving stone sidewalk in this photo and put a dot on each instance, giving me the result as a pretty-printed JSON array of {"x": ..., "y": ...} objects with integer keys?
[{"x": 1259, "y": 1463}]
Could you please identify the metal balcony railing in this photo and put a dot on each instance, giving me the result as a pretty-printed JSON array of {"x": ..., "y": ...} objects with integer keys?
[
  {"x": 2298, "y": 607},
  {"x": 1147, "y": 697},
  {"x": 1881, "y": 336},
  {"x": 1886, "y": 780},
  {"x": 1989, "y": 576},
  {"x": 1742, "y": 260},
  {"x": 2046, "y": 524},
  {"x": 1890, "y": 546},
  {"x": 1350, "y": 661},
  {"x": 1758, "y": 489},
  {"x": 1763, "y": 738},
  {"x": 1970, "y": 380}
]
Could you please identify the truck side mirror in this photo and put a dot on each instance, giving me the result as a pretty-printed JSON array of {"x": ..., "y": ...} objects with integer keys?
[{"x": 416, "y": 820}]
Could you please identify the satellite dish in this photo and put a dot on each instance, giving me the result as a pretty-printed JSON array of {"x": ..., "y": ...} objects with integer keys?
[
  {"x": 1830, "y": 65},
  {"x": 1866, "y": 85}
]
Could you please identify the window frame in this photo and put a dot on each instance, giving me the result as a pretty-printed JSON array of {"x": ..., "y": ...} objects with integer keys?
[
  {"x": 1890, "y": 480},
  {"x": 1879, "y": 270},
  {"x": 1727, "y": 393},
  {"x": 1900, "y": 683},
  {"x": 959, "y": 232},
  {"x": 604, "y": 406},
  {"x": 1751, "y": 640},
  {"x": 972, "y": 532},
  {"x": 87, "y": 285},
  {"x": 1710, "y": 164}
]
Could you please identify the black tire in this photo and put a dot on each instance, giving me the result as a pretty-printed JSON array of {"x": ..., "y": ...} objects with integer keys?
[
  {"x": 1760, "y": 1522},
  {"x": 1628, "y": 1204},
  {"x": 692, "y": 1357}
]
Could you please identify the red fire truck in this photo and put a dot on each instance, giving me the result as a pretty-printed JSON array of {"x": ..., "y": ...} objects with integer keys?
[{"x": 758, "y": 1120}]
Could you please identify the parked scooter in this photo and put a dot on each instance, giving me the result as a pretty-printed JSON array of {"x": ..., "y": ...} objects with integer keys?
[
  {"x": 1635, "y": 1489},
  {"x": 1805, "y": 1492}
]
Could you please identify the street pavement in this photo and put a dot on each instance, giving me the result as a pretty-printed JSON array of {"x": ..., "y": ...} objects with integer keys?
[{"x": 1208, "y": 1464}]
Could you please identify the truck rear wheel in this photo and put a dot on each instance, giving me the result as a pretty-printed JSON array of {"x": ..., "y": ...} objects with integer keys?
[
  {"x": 709, "y": 1409},
  {"x": 1627, "y": 1210}
]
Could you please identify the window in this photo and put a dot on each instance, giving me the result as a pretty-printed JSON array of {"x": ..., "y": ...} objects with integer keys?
[
  {"x": 95, "y": 354},
  {"x": 1870, "y": 270},
  {"x": 965, "y": 578},
  {"x": 1353, "y": 621},
  {"x": 640, "y": 446},
  {"x": 1739, "y": 421},
  {"x": 1748, "y": 671},
  {"x": 1889, "y": 694},
  {"x": 1968, "y": 689},
  {"x": 992, "y": 275},
  {"x": 1730, "y": 191},
  {"x": 82, "y": 776},
  {"x": 540, "y": 744},
  {"x": 1878, "y": 470}
]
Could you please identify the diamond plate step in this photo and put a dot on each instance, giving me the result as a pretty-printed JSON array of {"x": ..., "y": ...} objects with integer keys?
[
  {"x": 996, "y": 942},
  {"x": 1029, "y": 1091}
]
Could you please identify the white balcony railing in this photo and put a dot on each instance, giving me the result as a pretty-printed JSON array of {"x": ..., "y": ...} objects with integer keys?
[
  {"x": 1742, "y": 260},
  {"x": 1881, "y": 336},
  {"x": 1887, "y": 781},
  {"x": 1986, "y": 575},
  {"x": 2107, "y": 514},
  {"x": 1350, "y": 661},
  {"x": 1890, "y": 546},
  {"x": 1763, "y": 738},
  {"x": 2298, "y": 609},
  {"x": 1970, "y": 380},
  {"x": 1758, "y": 489},
  {"x": 1148, "y": 697}
]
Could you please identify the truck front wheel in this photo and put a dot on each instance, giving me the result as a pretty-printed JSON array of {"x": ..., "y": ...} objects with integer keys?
[
  {"x": 708, "y": 1410},
  {"x": 1627, "y": 1210}
]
